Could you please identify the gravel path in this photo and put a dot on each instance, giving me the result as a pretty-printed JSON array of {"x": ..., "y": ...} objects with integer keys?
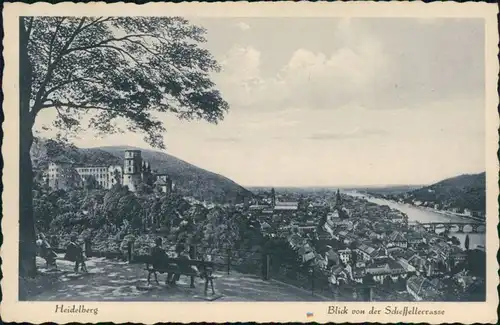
[{"x": 110, "y": 280}]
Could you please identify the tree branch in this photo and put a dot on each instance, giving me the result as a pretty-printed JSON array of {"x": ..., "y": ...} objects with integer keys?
[
  {"x": 106, "y": 41},
  {"x": 123, "y": 52},
  {"x": 65, "y": 83},
  {"x": 61, "y": 116},
  {"x": 80, "y": 106},
  {"x": 51, "y": 46},
  {"x": 40, "y": 93},
  {"x": 95, "y": 22},
  {"x": 144, "y": 47}
]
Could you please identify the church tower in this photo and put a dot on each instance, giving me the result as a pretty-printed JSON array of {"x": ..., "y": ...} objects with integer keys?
[
  {"x": 343, "y": 213},
  {"x": 338, "y": 200},
  {"x": 273, "y": 197},
  {"x": 132, "y": 169}
]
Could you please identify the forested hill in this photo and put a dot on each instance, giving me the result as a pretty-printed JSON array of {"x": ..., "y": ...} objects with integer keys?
[
  {"x": 45, "y": 150},
  {"x": 189, "y": 180},
  {"x": 461, "y": 192}
]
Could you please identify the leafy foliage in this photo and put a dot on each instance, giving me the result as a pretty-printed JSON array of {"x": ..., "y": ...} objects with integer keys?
[{"x": 123, "y": 68}]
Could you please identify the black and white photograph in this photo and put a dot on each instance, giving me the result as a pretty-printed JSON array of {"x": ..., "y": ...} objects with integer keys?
[{"x": 215, "y": 159}]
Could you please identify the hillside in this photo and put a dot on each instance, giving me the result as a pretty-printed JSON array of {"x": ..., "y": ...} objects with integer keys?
[
  {"x": 461, "y": 192},
  {"x": 45, "y": 150},
  {"x": 189, "y": 179},
  {"x": 387, "y": 190}
]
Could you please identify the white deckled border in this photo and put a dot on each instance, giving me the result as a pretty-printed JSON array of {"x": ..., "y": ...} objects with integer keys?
[{"x": 152, "y": 312}]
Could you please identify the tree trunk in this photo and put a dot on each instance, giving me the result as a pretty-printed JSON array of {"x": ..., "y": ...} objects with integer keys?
[{"x": 27, "y": 247}]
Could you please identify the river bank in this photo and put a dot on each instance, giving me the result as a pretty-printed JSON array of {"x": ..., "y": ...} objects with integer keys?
[
  {"x": 423, "y": 215},
  {"x": 453, "y": 214},
  {"x": 443, "y": 212}
]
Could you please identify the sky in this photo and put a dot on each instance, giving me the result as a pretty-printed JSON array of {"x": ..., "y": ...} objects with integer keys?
[{"x": 336, "y": 101}]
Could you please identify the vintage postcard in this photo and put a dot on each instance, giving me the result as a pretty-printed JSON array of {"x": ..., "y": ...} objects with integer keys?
[{"x": 265, "y": 162}]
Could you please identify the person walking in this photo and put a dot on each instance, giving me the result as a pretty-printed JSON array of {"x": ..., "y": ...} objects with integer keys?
[{"x": 74, "y": 253}]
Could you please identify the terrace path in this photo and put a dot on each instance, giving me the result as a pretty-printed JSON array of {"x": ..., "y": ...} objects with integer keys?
[{"x": 110, "y": 280}]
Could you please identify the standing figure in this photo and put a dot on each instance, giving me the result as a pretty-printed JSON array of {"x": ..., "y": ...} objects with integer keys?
[
  {"x": 88, "y": 247},
  {"x": 45, "y": 251},
  {"x": 207, "y": 274},
  {"x": 74, "y": 253}
]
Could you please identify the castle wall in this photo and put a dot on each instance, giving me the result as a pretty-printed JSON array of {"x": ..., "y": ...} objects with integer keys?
[
  {"x": 99, "y": 173},
  {"x": 132, "y": 181},
  {"x": 115, "y": 175},
  {"x": 62, "y": 176},
  {"x": 131, "y": 174}
]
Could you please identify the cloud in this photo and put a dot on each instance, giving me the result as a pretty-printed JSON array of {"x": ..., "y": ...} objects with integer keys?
[
  {"x": 243, "y": 26},
  {"x": 355, "y": 134},
  {"x": 318, "y": 81},
  {"x": 308, "y": 79},
  {"x": 371, "y": 63}
]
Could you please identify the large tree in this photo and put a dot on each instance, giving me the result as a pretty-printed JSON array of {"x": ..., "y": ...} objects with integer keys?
[{"x": 119, "y": 71}]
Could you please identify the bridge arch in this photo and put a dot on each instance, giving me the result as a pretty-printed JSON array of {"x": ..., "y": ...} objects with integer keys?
[
  {"x": 454, "y": 228},
  {"x": 451, "y": 227},
  {"x": 467, "y": 229},
  {"x": 439, "y": 228},
  {"x": 481, "y": 229}
]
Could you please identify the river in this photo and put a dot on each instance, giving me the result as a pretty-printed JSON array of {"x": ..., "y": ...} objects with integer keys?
[{"x": 425, "y": 215}]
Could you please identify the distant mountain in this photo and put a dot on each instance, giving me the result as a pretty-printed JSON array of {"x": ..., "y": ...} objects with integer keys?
[
  {"x": 189, "y": 180},
  {"x": 460, "y": 192}
]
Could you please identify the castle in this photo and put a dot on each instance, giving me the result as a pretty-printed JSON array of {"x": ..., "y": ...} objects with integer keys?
[{"x": 64, "y": 175}]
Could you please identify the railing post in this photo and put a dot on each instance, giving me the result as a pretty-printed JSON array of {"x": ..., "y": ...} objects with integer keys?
[
  {"x": 312, "y": 281},
  {"x": 228, "y": 260},
  {"x": 192, "y": 255},
  {"x": 266, "y": 261},
  {"x": 129, "y": 251},
  {"x": 367, "y": 293},
  {"x": 88, "y": 248},
  {"x": 268, "y": 266}
]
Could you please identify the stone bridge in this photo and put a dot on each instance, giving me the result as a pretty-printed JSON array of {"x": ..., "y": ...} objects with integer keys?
[{"x": 452, "y": 227}]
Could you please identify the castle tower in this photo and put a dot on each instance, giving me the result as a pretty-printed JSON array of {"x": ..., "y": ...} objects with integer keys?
[
  {"x": 146, "y": 175},
  {"x": 132, "y": 169}
]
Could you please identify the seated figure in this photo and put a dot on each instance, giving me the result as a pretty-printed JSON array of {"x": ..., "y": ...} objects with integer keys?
[
  {"x": 158, "y": 255},
  {"x": 159, "y": 259},
  {"x": 183, "y": 256}
]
